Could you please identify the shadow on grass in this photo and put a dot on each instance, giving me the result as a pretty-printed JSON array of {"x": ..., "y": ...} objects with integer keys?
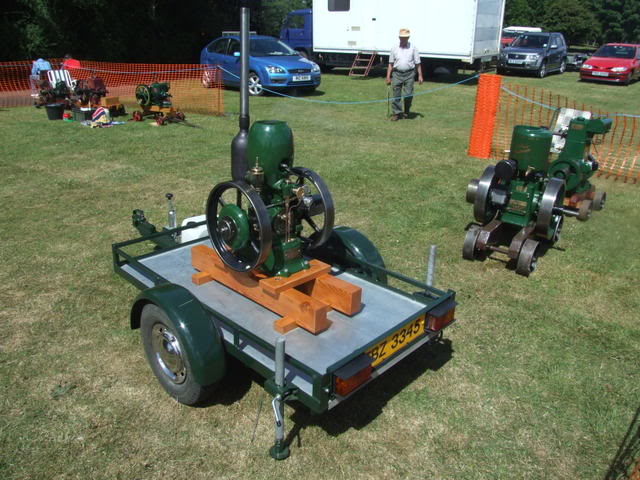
[
  {"x": 366, "y": 404},
  {"x": 626, "y": 463}
]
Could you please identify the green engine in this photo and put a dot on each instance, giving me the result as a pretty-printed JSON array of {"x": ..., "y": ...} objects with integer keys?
[
  {"x": 154, "y": 94},
  {"x": 575, "y": 164},
  {"x": 515, "y": 202},
  {"x": 517, "y": 191},
  {"x": 260, "y": 221}
]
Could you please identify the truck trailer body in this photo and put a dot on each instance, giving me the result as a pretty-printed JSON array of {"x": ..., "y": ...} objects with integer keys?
[{"x": 456, "y": 32}]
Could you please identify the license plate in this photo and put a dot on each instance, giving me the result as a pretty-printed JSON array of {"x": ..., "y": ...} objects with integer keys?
[
  {"x": 301, "y": 78},
  {"x": 600, "y": 74},
  {"x": 396, "y": 341},
  {"x": 516, "y": 62}
]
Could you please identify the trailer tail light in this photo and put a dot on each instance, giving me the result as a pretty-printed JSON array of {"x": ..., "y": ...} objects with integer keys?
[
  {"x": 441, "y": 316},
  {"x": 352, "y": 375}
]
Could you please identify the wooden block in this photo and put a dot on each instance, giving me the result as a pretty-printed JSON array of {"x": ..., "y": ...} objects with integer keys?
[
  {"x": 310, "y": 314},
  {"x": 285, "y": 324},
  {"x": 109, "y": 101},
  {"x": 201, "y": 277},
  {"x": 343, "y": 296},
  {"x": 278, "y": 284}
]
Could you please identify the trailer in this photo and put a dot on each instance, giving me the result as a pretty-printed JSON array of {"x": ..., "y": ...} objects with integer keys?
[
  {"x": 449, "y": 35},
  {"x": 201, "y": 325}
]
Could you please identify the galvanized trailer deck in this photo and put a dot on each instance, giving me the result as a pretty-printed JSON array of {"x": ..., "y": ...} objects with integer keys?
[{"x": 311, "y": 360}]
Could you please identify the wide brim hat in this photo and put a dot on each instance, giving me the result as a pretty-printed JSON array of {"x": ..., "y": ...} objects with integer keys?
[{"x": 404, "y": 32}]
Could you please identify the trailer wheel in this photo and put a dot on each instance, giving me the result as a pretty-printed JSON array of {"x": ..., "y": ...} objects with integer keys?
[{"x": 168, "y": 359}]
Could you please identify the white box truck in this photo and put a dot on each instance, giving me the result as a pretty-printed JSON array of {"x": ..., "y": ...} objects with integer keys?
[{"x": 449, "y": 34}]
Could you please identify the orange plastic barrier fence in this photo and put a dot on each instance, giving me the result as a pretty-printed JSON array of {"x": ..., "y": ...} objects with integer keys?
[
  {"x": 194, "y": 88},
  {"x": 617, "y": 152},
  {"x": 484, "y": 116}
]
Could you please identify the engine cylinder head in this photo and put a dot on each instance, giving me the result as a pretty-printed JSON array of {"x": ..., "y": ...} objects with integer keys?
[
  {"x": 530, "y": 147},
  {"x": 271, "y": 141}
]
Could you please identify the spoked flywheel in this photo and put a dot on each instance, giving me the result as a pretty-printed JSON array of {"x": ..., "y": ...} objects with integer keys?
[
  {"x": 552, "y": 199},
  {"x": 317, "y": 202},
  {"x": 143, "y": 95},
  {"x": 239, "y": 225},
  {"x": 483, "y": 210}
]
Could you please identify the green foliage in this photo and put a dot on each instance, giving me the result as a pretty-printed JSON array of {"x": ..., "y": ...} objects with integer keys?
[
  {"x": 590, "y": 22},
  {"x": 518, "y": 12},
  {"x": 574, "y": 19},
  {"x": 274, "y": 12}
]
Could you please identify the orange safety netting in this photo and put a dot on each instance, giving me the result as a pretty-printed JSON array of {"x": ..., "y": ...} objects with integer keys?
[
  {"x": 193, "y": 87},
  {"x": 617, "y": 152}
]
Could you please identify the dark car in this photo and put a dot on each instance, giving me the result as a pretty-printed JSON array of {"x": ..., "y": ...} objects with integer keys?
[
  {"x": 538, "y": 53},
  {"x": 272, "y": 64}
]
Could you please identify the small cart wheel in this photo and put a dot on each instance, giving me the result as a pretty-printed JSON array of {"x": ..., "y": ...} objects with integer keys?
[
  {"x": 528, "y": 258},
  {"x": 584, "y": 212},
  {"x": 469, "y": 246},
  {"x": 180, "y": 116},
  {"x": 168, "y": 359},
  {"x": 136, "y": 116},
  {"x": 160, "y": 120},
  {"x": 599, "y": 200}
]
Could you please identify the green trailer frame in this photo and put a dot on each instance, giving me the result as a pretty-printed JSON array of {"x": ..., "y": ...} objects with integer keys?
[{"x": 305, "y": 383}]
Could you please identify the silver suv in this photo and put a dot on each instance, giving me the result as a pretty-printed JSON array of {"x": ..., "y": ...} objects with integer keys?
[{"x": 539, "y": 53}]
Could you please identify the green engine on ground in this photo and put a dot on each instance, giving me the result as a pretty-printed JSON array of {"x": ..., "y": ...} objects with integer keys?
[
  {"x": 258, "y": 221},
  {"x": 575, "y": 164},
  {"x": 516, "y": 203},
  {"x": 522, "y": 201},
  {"x": 154, "y": 94}
]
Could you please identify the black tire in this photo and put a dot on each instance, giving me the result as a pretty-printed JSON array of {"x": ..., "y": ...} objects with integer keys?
[
  {"x": 542, "y": 71},
  {"x": 255, "y": 85},
  {"x": 501, "y": 71},
  {"x": 168, "y": 360}
]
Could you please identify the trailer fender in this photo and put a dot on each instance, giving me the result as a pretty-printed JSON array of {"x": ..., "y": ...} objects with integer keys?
[
  {"x": 197, "y": 333},
  {"x": 346, "y": 240}
]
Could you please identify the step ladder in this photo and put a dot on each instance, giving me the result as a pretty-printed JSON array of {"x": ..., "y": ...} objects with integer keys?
[{"x": 362, "y": 64}]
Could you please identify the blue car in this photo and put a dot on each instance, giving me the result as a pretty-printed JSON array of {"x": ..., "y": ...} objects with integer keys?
[{"x": 272, "y": 64}]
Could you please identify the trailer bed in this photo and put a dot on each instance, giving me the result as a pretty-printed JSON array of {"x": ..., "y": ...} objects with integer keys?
[{"x": 248, "y": 327}]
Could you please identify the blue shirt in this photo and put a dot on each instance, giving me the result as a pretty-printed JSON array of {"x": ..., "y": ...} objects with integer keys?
[{"x": 40, "y": 65}]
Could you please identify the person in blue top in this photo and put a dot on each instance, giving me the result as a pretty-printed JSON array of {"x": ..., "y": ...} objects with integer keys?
[{"x": 40, "y": 65}]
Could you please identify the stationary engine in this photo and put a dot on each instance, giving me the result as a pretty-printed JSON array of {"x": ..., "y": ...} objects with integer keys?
[
  {"x": 516, "y": 203},
  {"x": 575, "y": 164},
  {"x": 48, "y": 94},
  {"x": 155, "y": 94},
  {"x": 257, "y": 222},
  {"x": 89, "y": 91}
]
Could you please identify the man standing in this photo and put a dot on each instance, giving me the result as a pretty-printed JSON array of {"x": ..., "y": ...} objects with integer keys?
[{"x": 404, "y": 59}]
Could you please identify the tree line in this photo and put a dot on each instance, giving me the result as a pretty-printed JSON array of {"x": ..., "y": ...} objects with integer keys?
[
  {"x": 174, "y": 31},
  {"x": 583, "y": 22}
]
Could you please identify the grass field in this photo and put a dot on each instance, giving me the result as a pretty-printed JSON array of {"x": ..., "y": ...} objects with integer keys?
[{"x": 539, "y": 377}]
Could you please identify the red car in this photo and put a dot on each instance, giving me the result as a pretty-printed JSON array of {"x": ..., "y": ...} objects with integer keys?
[{"x": 613, "y": 62}]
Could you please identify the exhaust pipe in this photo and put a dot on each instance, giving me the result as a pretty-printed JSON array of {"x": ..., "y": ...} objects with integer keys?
[{"x": 239, "y": 163}]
